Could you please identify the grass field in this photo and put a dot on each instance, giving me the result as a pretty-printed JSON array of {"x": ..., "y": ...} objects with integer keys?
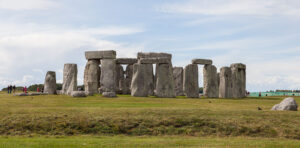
[{"x": 62, "y": 121}]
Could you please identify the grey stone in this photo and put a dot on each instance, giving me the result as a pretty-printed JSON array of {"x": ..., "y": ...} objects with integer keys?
[
  {"x": 109, "y": 94},
  {"x": 59, "y": 92},
  {"x": 21, "y": 94},
  {"x": 97, "y": 55},
  {"x": 165, "y": 81},
  {"x": 128, "y": 78},
  {"x": 153, "y": 55},
  {"x": 127, "y": 61},
  {"x": 178, "y": 80},
  {"x": 202, "y": 61},
  {"x": 92, "y": 77},
  {"x": 190, "y": 81},
  {"x": 288, "y": 104},
  {"x": 69, "y": 78},
  {"x": 119, "y": 77},
  {"x": 225, "y": 86},
  {"x": 142, "y": 80},
  {"x": 108, "y": 75},
  {"x": 154, "y": 60},
  {"x": 50, "y": 83},
  {"x": 78, "y": 94},
  {"x": 36, "y": 94},
  {"x": 210, "y": 83},
  {"x": 238, "y": 71}
]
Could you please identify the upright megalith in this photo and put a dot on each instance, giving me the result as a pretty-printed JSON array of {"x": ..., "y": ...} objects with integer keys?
[
  {"x": 165, "y": 81},
  {"x": 178, "y": 81},
  {"x": 119, "y": 78},
  {"x": 210, "y": 85},
  {"x": 142, "y": 80},
  {"x": 69, "y": 78},
  {"x": 92, "y": 77},
  {"x": 50, "y": 83},
  {"x": 238, "y": 71},
  {"x": 126, "y": 84},
  {"x": 108, "y": 76},
  {"x": 225, "y": 86},
  {"x": 190, "y": 81}
]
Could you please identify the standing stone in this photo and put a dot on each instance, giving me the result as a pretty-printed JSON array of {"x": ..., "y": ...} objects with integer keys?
[
  {"x": 119, "y": 78},
  {"x": 108, "y": 76},
  {"x": 50, "y": 83},
  {"x": 238, "y": 80},
  {"x": 210, "y": 86},
  {"x": 126, "y": 84},
  {"x": 92, "y": 77},
  {"x": 165, "y": 81},
  {"x": 190, "y": 81},
  {"x": 69, "y": 79},
  {"x": 225, "y": 87},
  {"x": 142, "y": 80},
  {"x": 178, "y": 80}
]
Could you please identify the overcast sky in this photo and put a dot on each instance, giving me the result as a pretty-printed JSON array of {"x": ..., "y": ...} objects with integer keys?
[{"x": 41, "y": 35}]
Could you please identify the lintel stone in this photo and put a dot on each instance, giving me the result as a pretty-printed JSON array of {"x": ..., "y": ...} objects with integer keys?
[
  {"x": 154, "y": 55},
  {"x": 104, "y": 54},
  {"x": 202, "y": 61},
  {"x": 155, "y": 60},
  {"x": 127, "y": 60}
]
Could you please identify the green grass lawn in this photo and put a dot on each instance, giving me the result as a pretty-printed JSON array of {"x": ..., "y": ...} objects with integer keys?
[{"x": 151, "y": 122}]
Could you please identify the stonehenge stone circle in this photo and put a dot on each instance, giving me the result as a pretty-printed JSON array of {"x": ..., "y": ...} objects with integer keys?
[
  {"x": 165, "y": 81},
  {"x": 107, "y": 79},
  {"x": 92, "y": 77},
  {"x": 50, "y": 83},
  {"x": 288, "y": 104},
  {"x": 142, "y": 80},
  {"x": 96, "y": 55},
  {"x": 178, "y": 80},
  {"x": 238, "y": 72},
  {"x": 69, "y": 78},
  {"x": 190, "y": 81},
  {"x": 210, "y": 83},
  {"x": 202, "y": 61},
  {"x": 225, "y": 86}
]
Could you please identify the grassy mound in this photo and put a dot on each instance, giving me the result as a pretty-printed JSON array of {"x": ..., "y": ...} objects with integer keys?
[{"x": 125, "y": 115}]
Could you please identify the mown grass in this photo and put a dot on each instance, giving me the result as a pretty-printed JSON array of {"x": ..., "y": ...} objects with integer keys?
[{"x": 161, "y": 117}]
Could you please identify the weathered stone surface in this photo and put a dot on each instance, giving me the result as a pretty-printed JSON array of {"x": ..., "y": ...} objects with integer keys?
[
  {"x": 190, "y": 81},
  {"x": 78, "y": 94},
  {"x": 165, "y": 81},
  {"x": 50, "y": 83},
  {"x": 178, "y": 80},
  {"x": 36, "y": 94},
  {"x": 119, "y": 77},
  {"x": 126, "y": 84},
  {"x": 210, "y": 83},
  {"x": 153, "y": 55},
  {"x": 142, "y": 80},
  {"x": 288, "y": 104},
  {"x": 92, "y": 77},
  {"x": 129, "y": 71},
  {"x": 97, "y": 55},
  {"x": 59, "y": 92},
  {"x": 225, "y": 86},
  {"x": 69, "y": 78},
  {"x": 202, "y": 61},
  {"x": 127, "y": 61},
  {"x": 108, "y": 75},
  {"x": 154, "y": 60},
  {"x": 238, "y": 71},
  {"x": 21, "y": 94},
  {"x": 109, "y": 94}
]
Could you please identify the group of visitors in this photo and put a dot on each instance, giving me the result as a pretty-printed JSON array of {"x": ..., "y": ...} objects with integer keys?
[{"x": 11, "y": 89}]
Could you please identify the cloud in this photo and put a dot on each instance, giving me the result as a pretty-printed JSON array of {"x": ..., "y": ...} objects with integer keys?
[
  {"x": 234, "y": 7},
  {"x": 26, "y": 4},
  {"x": 34, "y": 52}
]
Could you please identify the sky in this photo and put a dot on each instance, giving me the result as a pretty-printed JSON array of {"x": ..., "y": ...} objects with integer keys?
[{"x": 41, "y": 35}]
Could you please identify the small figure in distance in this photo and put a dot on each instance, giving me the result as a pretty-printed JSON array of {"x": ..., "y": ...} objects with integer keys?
[
  {"x": 25, "y": 89},
  {"x": 8, "y": 89},
  {"x": 14, "y": 89},
  {"x": 259, "y": 94},
  {"x": 38, "y": 89}
]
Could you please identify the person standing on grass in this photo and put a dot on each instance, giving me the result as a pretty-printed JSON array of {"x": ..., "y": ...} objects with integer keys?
[
  {"x": 38, "y": 89},
  {"x": 14, "y": 89},
  {"x": 8, "y": 89}
]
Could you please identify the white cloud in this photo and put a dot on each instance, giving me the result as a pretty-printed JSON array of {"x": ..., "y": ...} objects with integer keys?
[
  {"x": 26, "y": 4},
  {"x": 30, "y": 51},
  {"x": 234, "y": 7}
]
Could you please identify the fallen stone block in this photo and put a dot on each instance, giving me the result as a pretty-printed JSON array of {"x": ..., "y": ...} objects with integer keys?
[
  {"x": 78, "y": 94},
  {"x": 288, "y": 104}
]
